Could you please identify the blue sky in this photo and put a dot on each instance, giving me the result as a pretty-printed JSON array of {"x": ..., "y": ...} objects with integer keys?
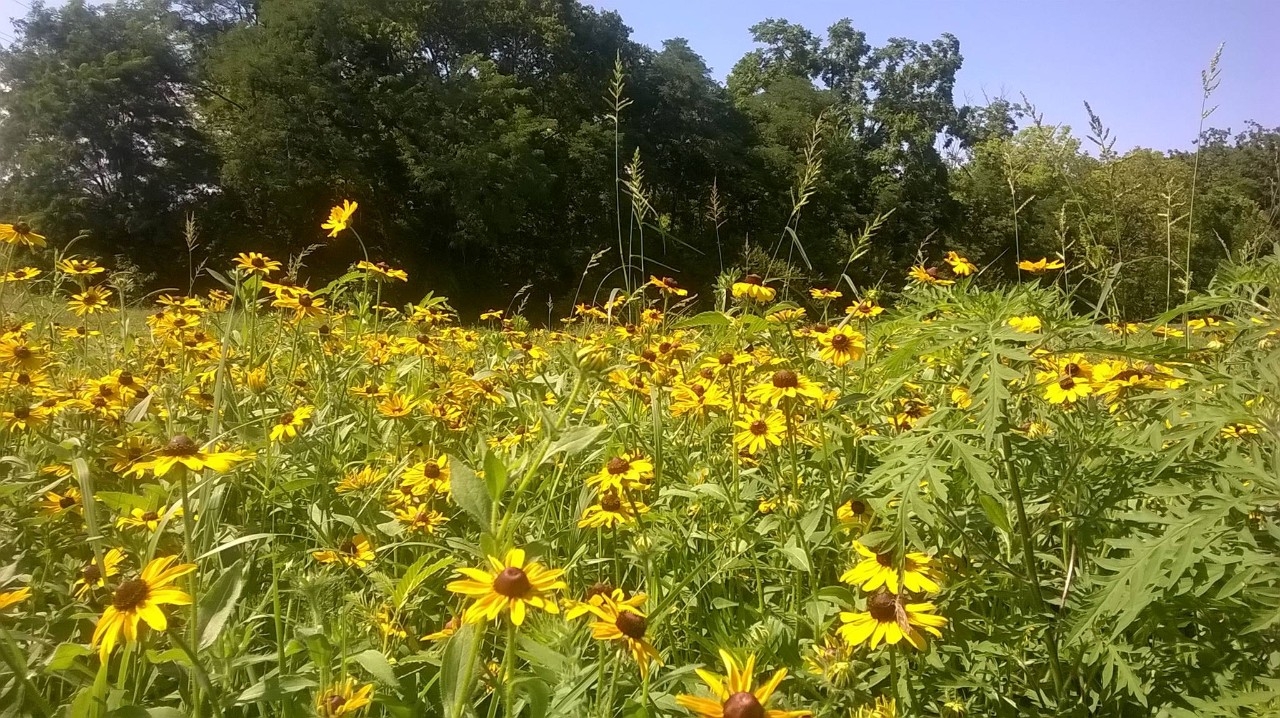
[{"x": 1137, "y": 62}]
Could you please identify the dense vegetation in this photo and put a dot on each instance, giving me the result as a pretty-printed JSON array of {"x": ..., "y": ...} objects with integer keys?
[{"x": 494, "y": 144}]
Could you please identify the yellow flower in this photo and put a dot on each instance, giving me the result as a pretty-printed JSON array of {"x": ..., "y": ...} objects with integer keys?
[
  {"x": 509, "y": 585},
  {"x": 92, "y": 576},
  {"x": 301, "y": 301},
  {"x": 431, "y": 476},
  {"x": 881, "y": 708},
  {"x": 139, "y": 600},
  {"x": 382, "y": 270},
  {"x": 21, "y": 274},
  {"x": 928, "y": 276},
  {"x": 841, "y": 345},
  {"x": 90, "y": 301},
  {"x": 1067, "y": 381},
  {"x": 825, "y": 295},
  {"x": 785, "y": 384},
  {"x": 865, "y": 309},
  {"x": 13, "y": 598},
  {"x": 1040, "y": 265},
  {"x": 623, "y": 621},
  {"x": 879, "y": 569},
  {"x": 960, "y": 266},
  {"x": 752, "y": 289},
  {"x": 55, "y": 503},
  {"x": 257, "y": 263},
  {"x": 147, "y": 518},
  {"x": 758, "y": 428},
  {"x": 732, "y": 696},
  {"x": 669, "y": 286},
  {"x": 357, "y": 552},
  {"x": 623, "y": 472},
  {"x": 448, "y": 629},
  {"x": 343, "y": 699},
  {"x": 611, "y": 511},
  {"x": 698, "y": 398},
  {"x": 1239, "y": 431},
  {"x": 961, "y": 397},
  {"x": 339, "y": 217},
  {"x": 420, "y": 519},
  {"x": 182, "y": 450},
  {"x": 362, "y": 478},
  {"x": 20, "y": 233},
  {"x": 1030, "y": 324},
  {"x": 287, "y": 426},
  {"x": 888, "y": 620},
  {"x": 79, "y": 267},
  {"x": 396, "y": 406}
]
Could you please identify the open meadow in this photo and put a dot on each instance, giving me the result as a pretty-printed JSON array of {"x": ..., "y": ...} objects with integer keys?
[{"x": 265, "y": 499}]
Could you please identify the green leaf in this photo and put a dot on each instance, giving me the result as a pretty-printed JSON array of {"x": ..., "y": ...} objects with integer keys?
[
  {"x": 536, "y": 694},
  {"x": 219, "y": 602},
  {"x": 275, "y": 689},
  {"x": 65, "y": 655},
  {"x": 495, "y": 475},
  {"x": 995, "y": 513},
  {"x": 457, "y": 670},
  {"x": 470, "y": 492},
  {"x": 796, "y": 557},
  {"x": 573, "y": 441},
  {"x": 376, "y": 664}
]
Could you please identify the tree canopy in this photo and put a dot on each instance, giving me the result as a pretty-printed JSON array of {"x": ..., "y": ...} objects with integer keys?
[{"x": 500, "y": 144}]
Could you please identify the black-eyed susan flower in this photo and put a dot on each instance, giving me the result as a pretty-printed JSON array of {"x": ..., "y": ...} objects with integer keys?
[
  {"x": 878, "y": 569},
  {"x": 825, "y": 295},
  {"x": 510, "y": 584},
  {"x": 339, "y": 217},
  {"x": 960, "y": 266},
  {"x": 432, "y": 475},
  {"x": 9, "y": 599},
  {"x": 758, "y": 429},
  {"x": 356, "y": 552},
  {"x": 344, "y": 698},
  {"x": 698, "y": 398},
  {"x": 396, "y": 406},
  {"x": 1040, "y": 266},
  {"x": 301, "y": 301},
  {"x": 383, "y": 271},
  {"x": 139, "y": 600},
  {"x": 23, "y": 417},
  {"x": 889, "y": 620},
  {"x": 16, "y": 354},
  {"x": 733, "y": 697},
  {"x": 668, "y": 286},
  {"x": 841, "y": 345},
  {"x": 420, "y": 518},
  {"x": 785, "y": 384},
  {"x": 752, "y": 289},
  {"x": 148, "y": 519},
  {"x": 623, "y": 621},
  {"x": 864, "y": 309},
  {"x": 611, "y": 511},
  {"x": 448, "y": 629},
  {"x": 360, "y": 479},
  {"x": 1067, "y": 380},
  {"x": 623, "y": 472},
  {"x": 92, "y": 575},
  {"x": 256, "y": 263},
  {"x": 90, "y": 301},
  {"x": 79, "y": 267},
  {"x": 21, "y": 274},
  {"x": 181, "y": 450},
  {"x": 20, "y": 233},
  {"x": 922, "y": 275},
  {"x": 55, "y": 503},
  {"x": 881, "y": 707},
  {"x": 290, "y": 422}
]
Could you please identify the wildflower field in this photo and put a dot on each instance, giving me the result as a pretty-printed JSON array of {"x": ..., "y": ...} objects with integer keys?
[{"x": 269, "y": 500}]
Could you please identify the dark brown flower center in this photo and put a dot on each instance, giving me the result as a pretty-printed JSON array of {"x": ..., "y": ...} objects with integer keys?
[
  {"x": 336, "y": 703},
  {"x": 665, "y": 347},
  {"x": 610, "y": 502},
  {"x": 1072, "y": 369},
  {"x": 21, "y": 352},
  {"x": 725, "y": 359},
  {"x": 130, "y": 595},
  {"x": 304, "y": 301},
  {"x": 258, "y": 263},
  {"x": 526, "y": 346},
  {"x": 324, "y": 330},
  {"x": 883, "y": 607},
  {"x": 22, "y": 413},
  {"x": 67, "y": 502},
  {"x": 512, "y": 583},
  {"x": 431, "y": 470},
  {"x": 22, "y": 379},
  {"x": 759, "y": 427},
  {"x": 287, "y": 418},
  {"x": 150, "y": 516},
  {"x": 648, "y": 355},
  {"x": 885, "y": 559},
  {"x": 786, "y": 379},
  {"x": 91, "y": 574},
  {"x": 22, "y": 228},
  {"x": 599, "y": 588},
  {"x": 754, "y": 279},
  {"x": 618, "y": 465},
  {"x": 707, "y": 374},
  {"x": 743, "y": 705},
  {"x": 1067, "y": 383},
  {"x": 857, "y": 507},
  {"x": 698, "y": 390},
  {"x": 125, "y": 379},
  {"x": 632, "y": 625},
  {"x": 840, "y": 341},
  {"x": 181, "y": 445}
]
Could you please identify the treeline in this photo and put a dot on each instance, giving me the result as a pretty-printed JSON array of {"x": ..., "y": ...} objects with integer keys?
[{"x": 495, "y": 145}]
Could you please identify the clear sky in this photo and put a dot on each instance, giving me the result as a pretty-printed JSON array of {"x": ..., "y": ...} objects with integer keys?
[{"x": 1137, "y": 62}]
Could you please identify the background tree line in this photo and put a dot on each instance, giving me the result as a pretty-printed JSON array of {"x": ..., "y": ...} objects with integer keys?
[{"x": 496, "y": 145}]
